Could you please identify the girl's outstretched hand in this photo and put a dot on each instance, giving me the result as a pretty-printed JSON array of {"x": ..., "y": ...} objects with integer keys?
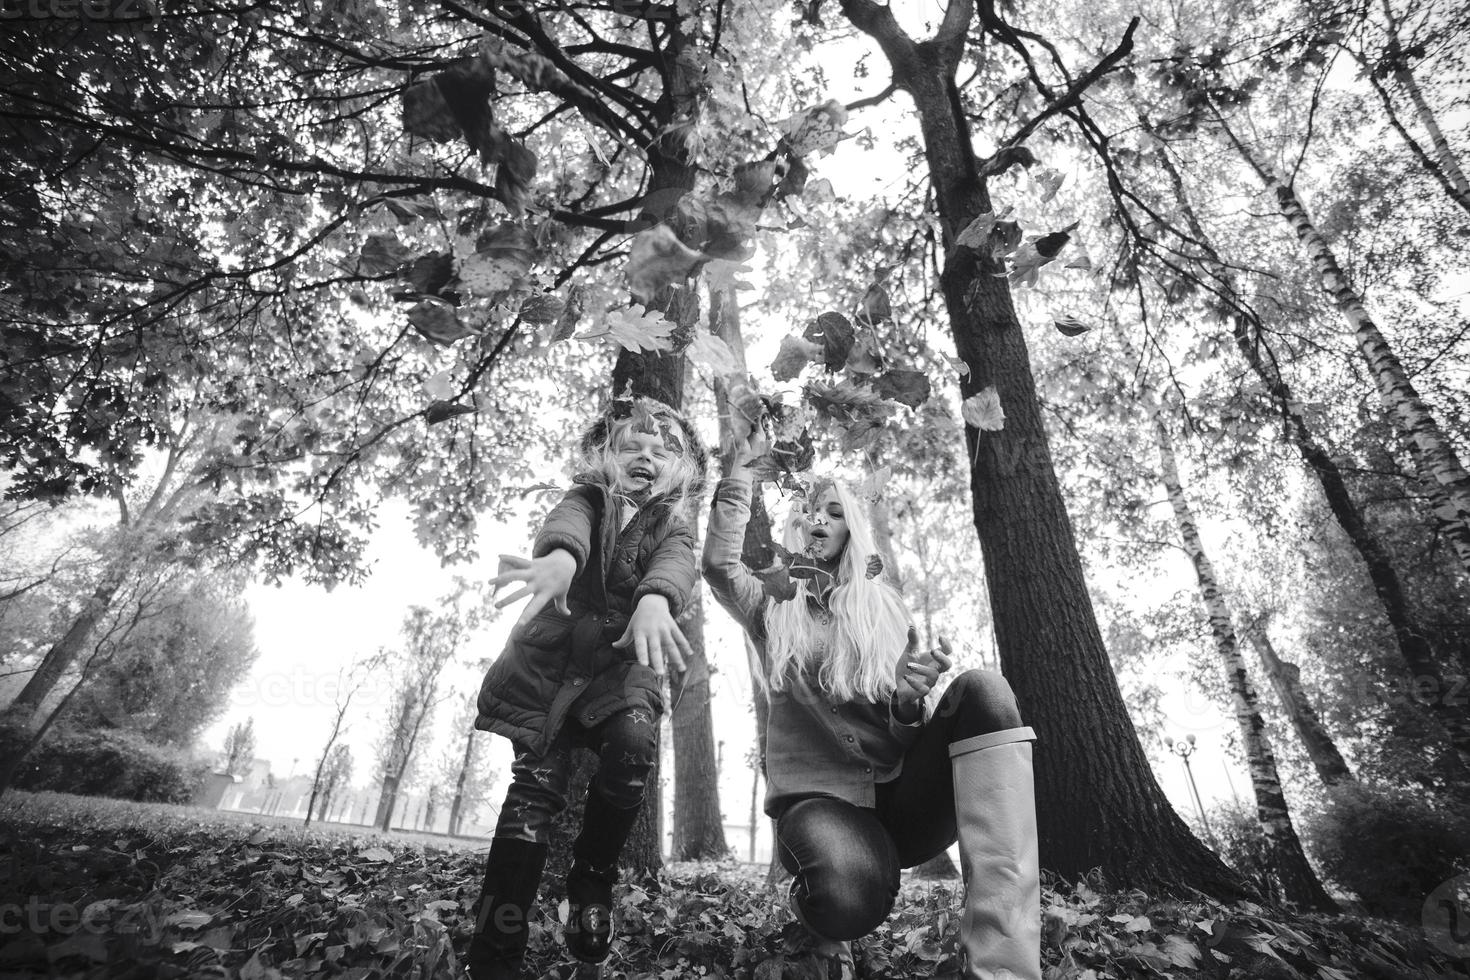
[
  {"x": 546, "y": 579},
  {"x": 656, "y": 639},
  {"x": 917, "y": 673}
]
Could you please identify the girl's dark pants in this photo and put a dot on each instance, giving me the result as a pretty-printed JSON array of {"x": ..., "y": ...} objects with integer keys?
[{"x": 846, "y": 858}]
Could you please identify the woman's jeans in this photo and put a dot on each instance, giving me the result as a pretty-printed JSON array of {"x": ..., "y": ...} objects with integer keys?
[{"x": 846, "y": 858}]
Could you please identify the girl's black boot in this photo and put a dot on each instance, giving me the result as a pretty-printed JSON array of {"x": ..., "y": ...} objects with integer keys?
[
  {"x": 502, "y": 927},
  {"x": 605, "y": 828}
]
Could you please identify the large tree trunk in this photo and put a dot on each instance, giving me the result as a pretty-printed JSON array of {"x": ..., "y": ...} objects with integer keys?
[
  {"x": 1411, "y": 638},
  {"x": 699, "y": 826},
  {"x": 1286, "y": 677},
  {"x": 1289, "y": 866},
  {"x": 1097, "y": 801}
]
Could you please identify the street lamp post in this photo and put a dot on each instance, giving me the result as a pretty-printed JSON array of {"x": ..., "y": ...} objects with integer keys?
[{"x": 1184, "y": 750}]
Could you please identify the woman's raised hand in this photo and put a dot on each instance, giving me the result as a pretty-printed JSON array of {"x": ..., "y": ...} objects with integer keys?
[
  {"x": 546, "y": 579},
  {"x": 917, "y": 673}
]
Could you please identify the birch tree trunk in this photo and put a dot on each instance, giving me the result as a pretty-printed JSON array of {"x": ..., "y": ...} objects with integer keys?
[
  {"x": 1411, "y": 637},
  {"x": 1289, "y": 866},
  {"x": 1286, "y": 678},
  {"x": 1440, "y": 463},
  {"x": 1439, "y": 159},
  {"x": 1097, "y": 801}
]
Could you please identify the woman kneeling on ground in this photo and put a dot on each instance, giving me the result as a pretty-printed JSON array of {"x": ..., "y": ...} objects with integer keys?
[{"x": 860, "y": 779}]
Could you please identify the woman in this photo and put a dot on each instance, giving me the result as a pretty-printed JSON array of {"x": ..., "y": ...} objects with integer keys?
[{"x": 860, "y": 782}]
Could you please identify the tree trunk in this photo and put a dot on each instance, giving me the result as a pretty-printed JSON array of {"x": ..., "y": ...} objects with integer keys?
[
  {"x": 457, "y": 804},
  {"x": 1286, "y": 678},
  {"x": 1411, "y": 638},
  {"x": 1439, "y": 159},
  {"x": 699, "y": 827},
  {"x": 1097, "y": 801},
  {"x": 64, "y": 652},
  {"x": 1289, "y": 864},
  {"x": 387, "y": 799},
  {"x": 1436, "y": 453}
]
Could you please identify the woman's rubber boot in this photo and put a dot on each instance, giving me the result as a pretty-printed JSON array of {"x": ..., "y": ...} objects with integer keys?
[
  {"x": 605, "y": 828},
  {"x": 995, "y": 815},
  {"x": 503, "y": 925}
]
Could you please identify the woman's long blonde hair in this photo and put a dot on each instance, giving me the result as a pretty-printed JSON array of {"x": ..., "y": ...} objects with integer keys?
[{"x": 870, "y": 621}]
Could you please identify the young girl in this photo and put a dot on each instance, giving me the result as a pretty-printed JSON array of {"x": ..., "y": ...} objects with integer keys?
[
  {"x": 615, "y": 565},
  {"x": 859, "y": 781}
]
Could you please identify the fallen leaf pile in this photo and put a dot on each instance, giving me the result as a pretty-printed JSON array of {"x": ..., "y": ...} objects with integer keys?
[{"x": 101, "y": 889}]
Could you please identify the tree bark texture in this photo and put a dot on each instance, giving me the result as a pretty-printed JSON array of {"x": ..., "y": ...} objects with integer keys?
[
  {"x": 64, "y": 652},
  {"x": 1289, "y": 866},
  {"x": 1411, "y": 638},
  {"x": 699, "y": 826},
  {"x": 1439, "y": 159},
  {"x": 1286, "y": 677},
  {"x": 1098, "y": 803},
  {"x": 1441, "y": 464},
  {"x": 456, "y": 805}
]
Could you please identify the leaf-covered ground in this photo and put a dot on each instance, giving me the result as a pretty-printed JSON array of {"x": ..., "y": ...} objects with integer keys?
[{"x": 103, "y": 889}]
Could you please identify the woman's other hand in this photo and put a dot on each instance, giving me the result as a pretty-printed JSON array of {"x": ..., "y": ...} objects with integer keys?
[{"x": 917, "y": 673}]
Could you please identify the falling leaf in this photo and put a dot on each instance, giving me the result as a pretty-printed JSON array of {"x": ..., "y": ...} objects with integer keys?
[
  {"x": 875, "y": 305},
  {"x": 1071, "y": 326},
  {"x": 819, "y": 192},
  {"x": 795, "y": 354},
  {"x": 435, "y": 319},
  {"x": 835, "y": 333},
  {"x": 960, "y": 367},
  {"x": 711, "y": 355},
  {"x": 846, "y": 401},
  {"x": 863, "y": 359},
  {"x": 1080, "y": 262},
  {"x": 441, "y": 411},
  {"x": 1051, "y": 181},
  {"x": 541, "y": 308},
  {"x": 977, "y": 233},
  {"x": 383, "y": 253},
  {"x": 426, "y": 114},
  {"x": 440, "y": 386},
  {"x": 815, "y": 128},
  {"x": 504, "y": 257},
  {"x": 431, "y": 273},
  {"x": 656, "y": 259},
  {"x": 635, "y": 329},
  {"x": 571, "y": 314},
  {"x": 727, "y": 274},
  {"x": 904, "y": 386},
  {"x": 982, "y": 410},
  {"x": 491, "y": 272}
]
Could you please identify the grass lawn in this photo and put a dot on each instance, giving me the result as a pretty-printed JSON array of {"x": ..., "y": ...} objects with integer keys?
[{"x": 104, "y": 888}]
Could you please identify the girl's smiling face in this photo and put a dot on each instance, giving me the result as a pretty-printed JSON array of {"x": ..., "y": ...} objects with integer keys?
[
  {"x": 826, "y": 527},
  {"x": 640, "y": 458}
]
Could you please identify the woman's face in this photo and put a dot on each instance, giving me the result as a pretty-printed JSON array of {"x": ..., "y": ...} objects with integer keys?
[{"x": 825, "y": 527}]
